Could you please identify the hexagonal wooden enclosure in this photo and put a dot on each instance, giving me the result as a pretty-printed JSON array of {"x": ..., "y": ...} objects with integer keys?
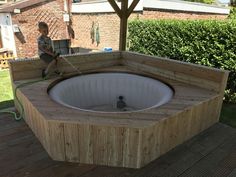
[{"x": 131, "y": 139}]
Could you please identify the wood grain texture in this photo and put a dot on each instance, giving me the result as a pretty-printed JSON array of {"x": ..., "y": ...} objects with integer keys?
[
  {"x": 209, "y": 78},
  {"x": 127, "y": 139},
  {"x": 29, "y": 69},
  {"x": 211, "y": 153}
]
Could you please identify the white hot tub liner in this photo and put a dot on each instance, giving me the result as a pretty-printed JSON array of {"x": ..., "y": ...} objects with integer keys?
[{"x": 100, "y": 92}]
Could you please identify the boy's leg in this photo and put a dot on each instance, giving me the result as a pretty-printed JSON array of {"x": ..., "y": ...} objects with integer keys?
[
  {"x": 50, "y": 65},
  {"x": 50, "y": 60}
]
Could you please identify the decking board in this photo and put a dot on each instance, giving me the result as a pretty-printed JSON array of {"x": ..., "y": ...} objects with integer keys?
[{"x": 24, "y": 161}]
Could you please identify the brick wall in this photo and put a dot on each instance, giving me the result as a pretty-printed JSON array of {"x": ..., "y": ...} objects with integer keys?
[
  {"x": 50, "y": 12},
  {"x": 151, "y": 14},
  {"x": 109, "y": 25},
  {"x": 108, "y": 29}
]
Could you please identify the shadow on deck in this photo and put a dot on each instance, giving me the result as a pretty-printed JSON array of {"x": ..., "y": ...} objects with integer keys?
[{"x": 212, "y": 153}]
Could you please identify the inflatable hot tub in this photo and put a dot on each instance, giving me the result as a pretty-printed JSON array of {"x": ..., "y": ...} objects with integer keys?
[{"x": 111, "y": 92}]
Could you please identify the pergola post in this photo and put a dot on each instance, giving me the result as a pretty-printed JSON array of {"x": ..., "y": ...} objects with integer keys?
[
  {"x": 123, "y": 25},
  {"x": 124, "y": 14}
]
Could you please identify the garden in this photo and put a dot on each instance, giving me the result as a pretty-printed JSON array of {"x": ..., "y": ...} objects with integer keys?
[{"x": 206, "y": 42}]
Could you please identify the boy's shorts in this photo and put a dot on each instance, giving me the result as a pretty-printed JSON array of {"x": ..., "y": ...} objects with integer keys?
[{"x": 47, "y": 58}]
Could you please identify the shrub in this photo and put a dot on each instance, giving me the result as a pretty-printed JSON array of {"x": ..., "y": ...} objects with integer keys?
[
  {"x": 209, "y": 43},
  {"x": 232, "y": 14}
]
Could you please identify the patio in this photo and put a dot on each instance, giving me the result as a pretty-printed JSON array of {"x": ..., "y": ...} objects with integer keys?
[{"x": 211, "y": 153}]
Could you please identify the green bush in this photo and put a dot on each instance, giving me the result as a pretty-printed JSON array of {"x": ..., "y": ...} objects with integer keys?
[
  {"x": 209, "y": 43},
  {"x": 232, "y": 14}
]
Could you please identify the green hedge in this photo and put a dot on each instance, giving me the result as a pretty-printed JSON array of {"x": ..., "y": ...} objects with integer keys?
[
  {"x": 232, "y": 14},
  {"x": 209, "y": 43}
]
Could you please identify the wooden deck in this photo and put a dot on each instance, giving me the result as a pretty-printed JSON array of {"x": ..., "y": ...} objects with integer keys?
[
  {"x": 211, "y": 153},
  {"x": 123, "y": 139}
]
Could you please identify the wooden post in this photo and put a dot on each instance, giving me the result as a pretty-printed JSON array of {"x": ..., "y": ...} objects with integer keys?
[
  {"x": 124, "y": 14},
  {"x": 115, "y": 7},
  {"x": 131, "y": 7},
  {"x": 123, "y": 25}
]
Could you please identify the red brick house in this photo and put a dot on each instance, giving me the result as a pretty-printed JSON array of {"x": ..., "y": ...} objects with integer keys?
[
  {"x": 23, "y": 17},
  {"x": 92, "y": 24}
]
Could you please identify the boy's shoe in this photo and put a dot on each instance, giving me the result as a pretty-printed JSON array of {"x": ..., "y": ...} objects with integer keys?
[{"x": 43, "y": 73}]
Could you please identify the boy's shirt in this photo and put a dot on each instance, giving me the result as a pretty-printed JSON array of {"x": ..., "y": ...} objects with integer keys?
[{"x": 44, "y": 42}]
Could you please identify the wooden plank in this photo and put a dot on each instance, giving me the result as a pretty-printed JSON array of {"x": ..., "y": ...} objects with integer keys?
[
  {"x": 210, "y": 139},
  {"x": 132, "y": 148},
  {"x": 33, "y": 168},
  {"x": 35, "y": 120},
  {"x": 227, "y": 166},
  {"x": 196, "y": 119},
  {"x": 177, "y": 129},
  {"x": 233, "y": 173},
  {"x": 222, "y": 89},
  {"x": 71, "y": 133},
  {"x": 103, "y": 171},
  {"x": 99, "y": 139},
  {"x": 177, "y": 166},
  {"x": 205, "y": 165},
  {"x": 65, "y": 170},
  {"x": 42, "y": 131},
  {"x": 56, "y": 140},
  {"x": 85, "y": 144},
  {"x": 115, "y": 146},
  {"x": 88, "y": 66},
  {"x": 175, "y": 76},
  {"x": 195, "y": 70},
  {"x": 131, "y": 7},
  {"x": 167, "y": 134},
  {"x": 30, "y": 74},
  {"x": 115, "y": 7},
  {"x": 26, "y": 64},
  {"x": 151, "y": 142},
  {"x": 18, "y": 67},
  {"x": 24, "y": 156}
]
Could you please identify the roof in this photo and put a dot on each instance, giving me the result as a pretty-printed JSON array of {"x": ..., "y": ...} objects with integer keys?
[
  {"x": 101, "y": 6},
  {"x": 9, "y": 7}
]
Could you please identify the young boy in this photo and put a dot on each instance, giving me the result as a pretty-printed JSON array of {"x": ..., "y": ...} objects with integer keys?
[{"x": 45, "y": 50}]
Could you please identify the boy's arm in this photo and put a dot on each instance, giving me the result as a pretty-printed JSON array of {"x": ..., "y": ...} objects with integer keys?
[{"x": 46, "y": 51}]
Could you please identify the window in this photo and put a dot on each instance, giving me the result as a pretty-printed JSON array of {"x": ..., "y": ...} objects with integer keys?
[
  {"x": 76, "y": 1},
  {"x": 61, "y": 46}
]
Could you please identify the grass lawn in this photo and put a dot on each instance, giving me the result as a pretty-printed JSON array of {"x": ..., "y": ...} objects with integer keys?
[
  {"x": 6, "y": 94},
  {"x": 228, "y": 114},
  {"x": 5, "y": 86}
]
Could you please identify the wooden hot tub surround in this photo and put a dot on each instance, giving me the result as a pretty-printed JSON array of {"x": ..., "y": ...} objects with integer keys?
[{"x": 121, "y": 139}]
